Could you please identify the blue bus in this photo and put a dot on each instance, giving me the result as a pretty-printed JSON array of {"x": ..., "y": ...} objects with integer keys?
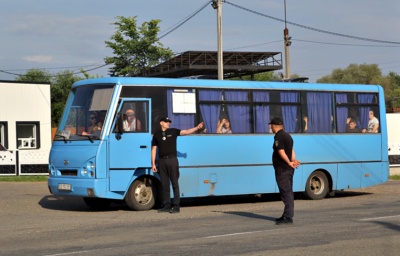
[{"x": 95, "y": 156}]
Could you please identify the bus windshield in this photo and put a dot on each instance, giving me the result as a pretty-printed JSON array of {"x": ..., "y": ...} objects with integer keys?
[{"x": 84, "y": 119}]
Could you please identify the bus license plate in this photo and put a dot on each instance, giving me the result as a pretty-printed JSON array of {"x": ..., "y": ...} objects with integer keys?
[{"x": 64, "y": 187}]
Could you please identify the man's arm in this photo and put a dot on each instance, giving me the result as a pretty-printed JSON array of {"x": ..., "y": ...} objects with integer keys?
[
  {"x": 285, "y": 158},
  {"x": 191, "y": 130},
  {"x": 153, "y": 158},
  {"x": 293, "y": 155},
  {"x": 219, "y": 126}
]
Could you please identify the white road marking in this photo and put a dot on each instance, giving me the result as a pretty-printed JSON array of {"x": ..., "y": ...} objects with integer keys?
[
  {"x": 76, "y": 252},
  {"x": 236, "y": 234},
  {"x": 380, "y": 218}
]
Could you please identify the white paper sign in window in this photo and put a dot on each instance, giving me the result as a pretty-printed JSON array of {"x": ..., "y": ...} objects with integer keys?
[{"x": 183, "y": 103}]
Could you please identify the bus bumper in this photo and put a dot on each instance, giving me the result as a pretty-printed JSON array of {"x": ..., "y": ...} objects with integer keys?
[{"x": 78, "y": 187}]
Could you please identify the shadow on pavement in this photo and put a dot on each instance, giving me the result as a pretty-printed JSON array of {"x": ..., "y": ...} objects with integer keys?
[{"x": 66, "y": 203}]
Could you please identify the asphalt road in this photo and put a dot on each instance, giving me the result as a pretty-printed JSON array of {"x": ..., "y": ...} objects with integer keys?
[{"x": 361, "y": 222}]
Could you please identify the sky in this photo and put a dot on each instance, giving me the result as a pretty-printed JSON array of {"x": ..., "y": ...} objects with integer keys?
[{"x": 57, "y": 35}]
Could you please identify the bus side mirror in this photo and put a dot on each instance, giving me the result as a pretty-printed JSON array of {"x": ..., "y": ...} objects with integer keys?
[{"x": 120, "y": 125}]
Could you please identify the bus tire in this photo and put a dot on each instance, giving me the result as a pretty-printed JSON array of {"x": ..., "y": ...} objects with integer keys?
[
  {"x": 97, "y": 204},
  {"x": 141, "y": 195},
  {"x": 317, "y": 186}
]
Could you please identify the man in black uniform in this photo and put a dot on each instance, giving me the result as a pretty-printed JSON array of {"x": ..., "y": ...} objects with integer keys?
[
  {"x": 284, "y": 162},
  {"x": 165, "y": 141}
]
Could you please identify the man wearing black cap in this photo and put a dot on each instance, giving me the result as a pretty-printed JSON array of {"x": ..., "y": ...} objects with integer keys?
[
  {"x": 284, "y": 162},
  {"x": 165, "y": 141}
]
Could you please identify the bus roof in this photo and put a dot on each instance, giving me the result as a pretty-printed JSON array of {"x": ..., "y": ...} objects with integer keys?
[{"x": 225, "y": 84}]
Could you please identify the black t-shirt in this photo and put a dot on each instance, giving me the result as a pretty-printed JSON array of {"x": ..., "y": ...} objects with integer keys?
[
  {"x": 355, "y": 130},
  {"x": 167, "y": 146},
  {"x": 282, "y": 140}
]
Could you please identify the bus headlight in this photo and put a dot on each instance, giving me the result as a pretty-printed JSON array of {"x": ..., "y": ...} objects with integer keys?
[
  {"x": 91, "y": 165},
  {"x": 84, "y": 171},
  {"x": 52, "y": 169}
]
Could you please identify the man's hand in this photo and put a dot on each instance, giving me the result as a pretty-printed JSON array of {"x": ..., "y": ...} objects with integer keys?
[{"x": 296, "y": 163}]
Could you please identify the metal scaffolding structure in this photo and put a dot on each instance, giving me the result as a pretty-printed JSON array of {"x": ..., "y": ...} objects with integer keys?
[{"x": 205, "y": 64}]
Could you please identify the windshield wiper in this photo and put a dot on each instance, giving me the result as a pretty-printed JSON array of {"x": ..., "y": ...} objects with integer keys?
[
  {"x": 62, "y": 136},
  {"x": 88, "y": 136}
]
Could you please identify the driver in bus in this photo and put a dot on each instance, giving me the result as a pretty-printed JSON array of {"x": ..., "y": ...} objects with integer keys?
[
  {"x": 131, "y": 124},
  {"x": 94, "y": 124}
]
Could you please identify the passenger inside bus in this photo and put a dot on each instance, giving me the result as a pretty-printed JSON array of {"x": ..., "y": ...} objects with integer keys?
[
  {"x": 353, "y": 114},
  {"x": 351, "y": 126},
  {"x": 224, "y": 126},
  {"x": 373, "y": 123},
  {"x": 131, "y": 124},
  {"x": 305, "y": 127}
]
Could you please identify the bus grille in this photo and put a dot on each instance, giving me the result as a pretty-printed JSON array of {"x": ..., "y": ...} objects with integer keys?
[{"x": 69, "y": 172}]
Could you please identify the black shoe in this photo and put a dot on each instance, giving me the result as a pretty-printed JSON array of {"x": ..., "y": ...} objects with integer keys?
[
  {"x": 280, "y": 218},
  {"x": 284, "y": 221},
  {"x": 165, "y": 209},
  {"x": 175, "y": 210}
]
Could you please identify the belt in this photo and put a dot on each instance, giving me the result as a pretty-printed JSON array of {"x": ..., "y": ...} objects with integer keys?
[{"x": 165, "y": 157}]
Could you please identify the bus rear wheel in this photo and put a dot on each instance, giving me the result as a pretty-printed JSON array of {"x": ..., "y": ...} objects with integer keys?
[
  {"x": 141, "y": 195},
  {"x": 317, "y": 186}
]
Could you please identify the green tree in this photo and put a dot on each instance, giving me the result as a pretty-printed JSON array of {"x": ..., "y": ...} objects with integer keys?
[
  {"x": 392, "y": 90},
  {"x": 354, "y": 74},
  {"x": 87, "y": 75},
  {"x": 367, "y": 74},
  {"x": 35, "y": 76},
  {"x": 135, "y": 48},
  {"x": 60, "y": 87},
  {"x": 265, "y": 76}
]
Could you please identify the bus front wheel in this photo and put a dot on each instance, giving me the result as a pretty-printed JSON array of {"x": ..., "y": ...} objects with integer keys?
[
  {"x": 317, "y": 186},
  {"x": 141, "y": 195}
]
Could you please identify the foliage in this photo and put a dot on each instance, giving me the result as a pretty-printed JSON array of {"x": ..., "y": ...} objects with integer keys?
[
  {"x": 35, "y": 76},
  {"x": 60, "y": 85},
  {"x": 135, "y": 48},
  {"x": 367, "y": 74},
  {"x": 392, "y": 90},
  {"x": 23, "y": 178},
  {"x": 266, "y": 76},
  {"x": 87, "y": 75},
  {"x": 395, "y": 177},
  {"x": 354, "y": 74}
]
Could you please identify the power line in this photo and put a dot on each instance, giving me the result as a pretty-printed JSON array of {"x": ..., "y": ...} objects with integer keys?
[
  {"x": 185, "y": 20},
  {"x": 311, "y": 28},
  {"x": 363, "y": 45},
  {"x": 73, "y": 73},
  {"x": 253, "y": 45}
]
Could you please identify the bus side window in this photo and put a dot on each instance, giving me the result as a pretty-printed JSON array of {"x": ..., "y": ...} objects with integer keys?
[{"x": 320, "y": 114}]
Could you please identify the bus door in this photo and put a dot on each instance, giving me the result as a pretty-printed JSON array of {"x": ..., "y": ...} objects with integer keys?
[{"x": 130, "y": 138}]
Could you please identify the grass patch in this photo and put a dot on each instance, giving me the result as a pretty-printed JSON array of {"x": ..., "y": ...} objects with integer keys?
[
  {"x": 395, "y": 177},
  {"x": 23, "y": 178}
]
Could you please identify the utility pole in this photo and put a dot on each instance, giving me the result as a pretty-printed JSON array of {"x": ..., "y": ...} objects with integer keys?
[
  {"x": 287, "y": 42},
  {"x": 217, "y": 4}
]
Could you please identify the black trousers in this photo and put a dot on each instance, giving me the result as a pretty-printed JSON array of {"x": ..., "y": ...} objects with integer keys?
[
  {"x": 284, "y": 179},
  {"x": 169, "y": 173}
]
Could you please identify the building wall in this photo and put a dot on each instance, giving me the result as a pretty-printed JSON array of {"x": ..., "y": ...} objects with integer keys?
[
  {"x": 30, "y": 103},
  {"x": 393, "y": 123}
]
